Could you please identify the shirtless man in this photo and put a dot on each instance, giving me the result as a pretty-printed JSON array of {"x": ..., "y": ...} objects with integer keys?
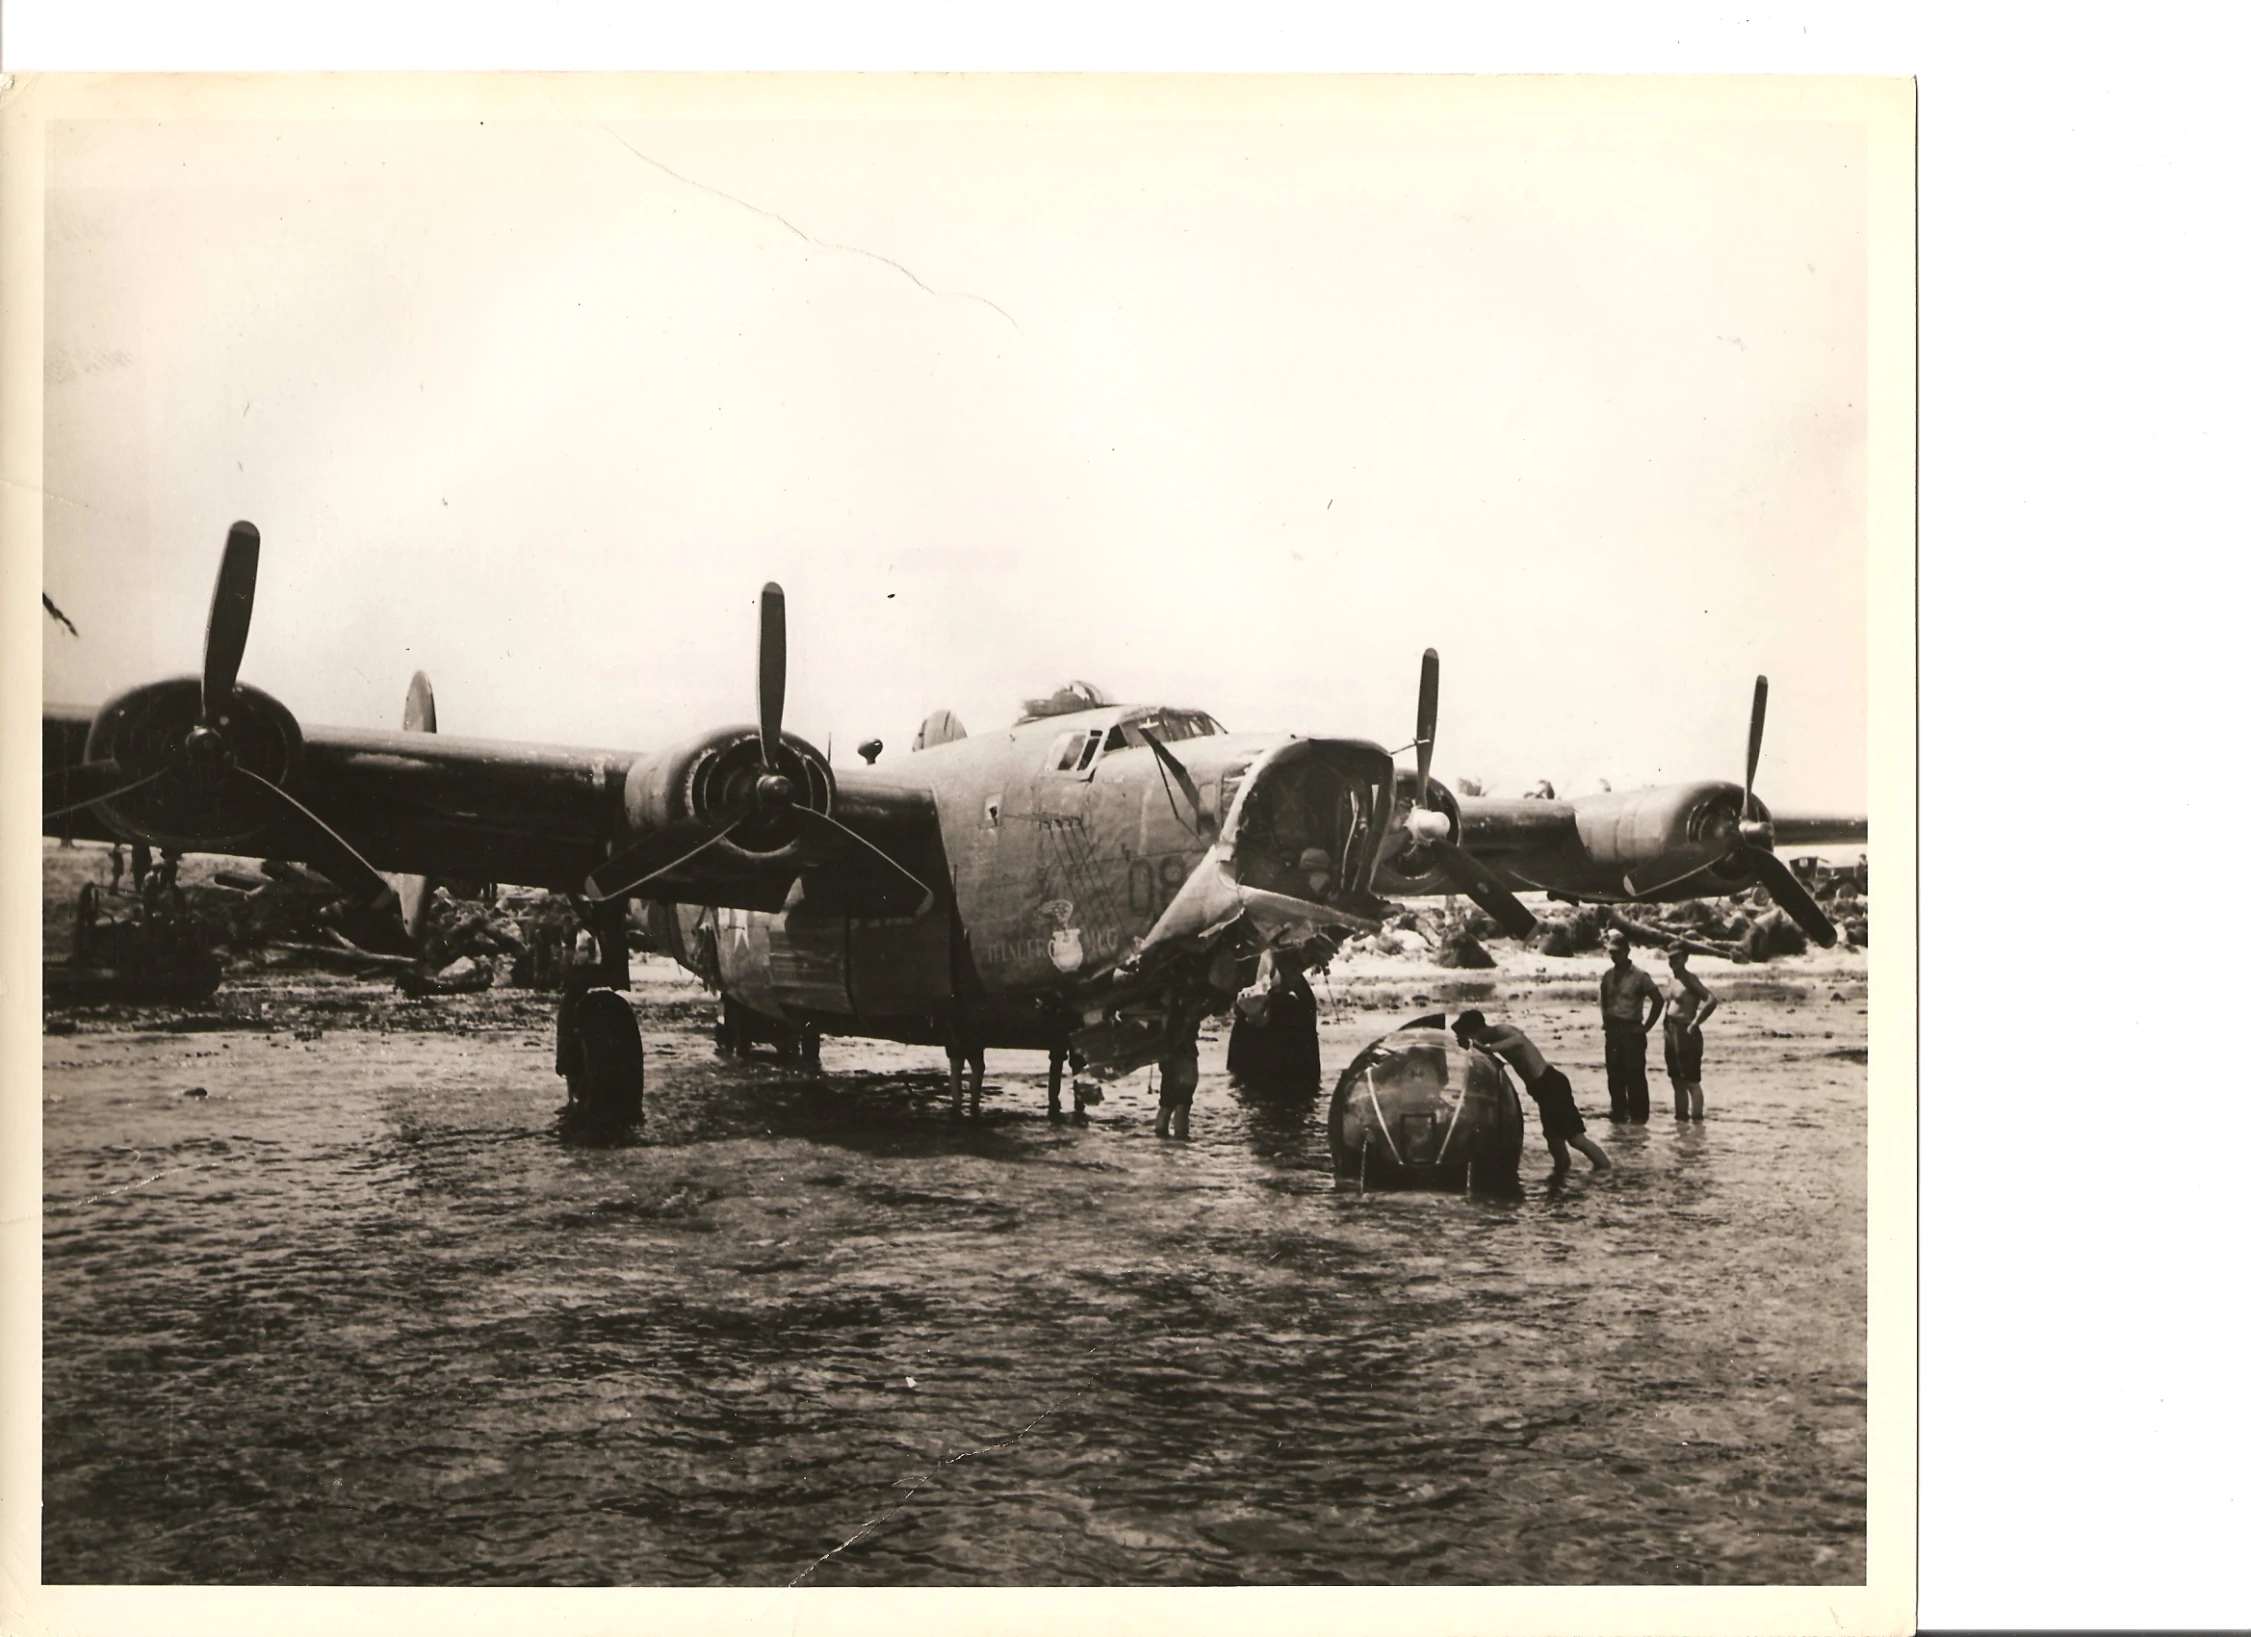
[
  {"x": 1625, "y": 1029},
  {"x": 1559, "y": 1111},
  {"x": 1685, "y": 1012}
]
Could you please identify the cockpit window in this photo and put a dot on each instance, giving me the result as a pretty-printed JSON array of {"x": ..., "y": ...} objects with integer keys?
[
  {"x": 1173, "y": 726},
  {"x": 1170, "y": 726}
]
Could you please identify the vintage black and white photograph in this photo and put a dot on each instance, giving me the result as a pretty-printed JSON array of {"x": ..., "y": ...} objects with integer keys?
[{"x": 1101, "y": 833}]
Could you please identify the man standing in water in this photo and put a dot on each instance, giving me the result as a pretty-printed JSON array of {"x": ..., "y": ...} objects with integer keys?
[
  {"x": 1176, "y": 1071},
  {"x": 1685, "y": 1013},
  {"x": 1560, "y": 1121},
  {"x": 1625, "y": 1029}
]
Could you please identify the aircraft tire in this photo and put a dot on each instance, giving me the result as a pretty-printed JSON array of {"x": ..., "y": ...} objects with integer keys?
[{"x": 605, "y": 1069}]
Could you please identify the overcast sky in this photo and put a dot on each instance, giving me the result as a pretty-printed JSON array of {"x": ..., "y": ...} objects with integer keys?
[{"x": 1239, "y": 414}]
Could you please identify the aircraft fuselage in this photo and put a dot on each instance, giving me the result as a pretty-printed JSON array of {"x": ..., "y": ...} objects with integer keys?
[{"x": 1081, "y": 877}]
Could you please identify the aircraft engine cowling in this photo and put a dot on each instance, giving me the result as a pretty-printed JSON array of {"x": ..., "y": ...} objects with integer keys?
[
  {"x": 1684, "y": 835},
  {"x": 196, "y": 809},
  {"x": 708, "y": 775},
  {"x": 1404, "y": 870}
]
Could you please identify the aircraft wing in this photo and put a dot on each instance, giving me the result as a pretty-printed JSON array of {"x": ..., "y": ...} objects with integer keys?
[
  {"x": 423, "y": 803},
  {"x": 1650, "y": 844},
  {"x": 1494, "y": 828},
  {"x": 531, "y": 815}
]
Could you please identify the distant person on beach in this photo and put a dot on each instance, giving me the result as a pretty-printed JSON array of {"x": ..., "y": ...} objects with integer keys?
[
  {"x": 1560, "y": 1121},
  {"x": 1690, "y": 1004}
]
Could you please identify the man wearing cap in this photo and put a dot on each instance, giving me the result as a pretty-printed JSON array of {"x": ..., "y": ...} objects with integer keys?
[
  {"x": 1625, "y": 1029},
  {"x": 1560, "y": 1121}
]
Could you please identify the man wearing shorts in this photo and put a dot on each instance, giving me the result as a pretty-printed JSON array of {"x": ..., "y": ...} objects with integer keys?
[
  {"x": 1690, "y": 1004},
  {"x": 1559, "y": 1111},
  {"x": 1625, "y": 1029}
]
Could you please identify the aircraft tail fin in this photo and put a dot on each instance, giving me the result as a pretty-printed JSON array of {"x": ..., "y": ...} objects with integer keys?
[{"x": 414, "y": 890}]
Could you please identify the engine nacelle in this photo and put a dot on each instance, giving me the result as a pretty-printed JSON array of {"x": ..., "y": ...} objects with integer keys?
[
  {"x": 1403, "y": 869},
  {"x": 191, "y": 810},
  {"x": 713, "y": 772},
  {"x": 1658, "y": 833}
]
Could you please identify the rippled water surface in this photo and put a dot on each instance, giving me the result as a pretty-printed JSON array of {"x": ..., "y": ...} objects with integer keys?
[{"x": 358, "y": 1315}]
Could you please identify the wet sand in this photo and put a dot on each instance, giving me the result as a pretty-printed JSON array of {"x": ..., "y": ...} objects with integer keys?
[{"x": 359, "y": 1315}]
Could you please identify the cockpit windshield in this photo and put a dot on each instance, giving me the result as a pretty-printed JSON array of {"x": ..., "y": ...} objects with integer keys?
[{"x": 1164, "y": 724}]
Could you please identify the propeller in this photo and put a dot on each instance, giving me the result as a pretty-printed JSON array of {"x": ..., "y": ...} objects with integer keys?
[
  {"x": 771, "y": 796},
  {"x": 205, "y": 756},
  {"x": 1426, "y": 726},
  {"x": 228, "y": 632},
  {"x": 1752, "y": 846},
  {"x": 1430, "y": 831},
  {"x": 1751, "y": 751},
  {"x": 669, "y": 846},
  {"x": 773, "y": 668}
]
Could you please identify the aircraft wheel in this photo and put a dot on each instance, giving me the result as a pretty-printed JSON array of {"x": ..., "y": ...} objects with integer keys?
[{"x": 604, "y": 1072}]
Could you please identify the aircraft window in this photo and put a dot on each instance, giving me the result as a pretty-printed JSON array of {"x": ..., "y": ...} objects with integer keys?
[
  {"x": 1093, "y": 749},
  {"x": 1063, "y": 755},
  {"x": 1170, "y": 726}
]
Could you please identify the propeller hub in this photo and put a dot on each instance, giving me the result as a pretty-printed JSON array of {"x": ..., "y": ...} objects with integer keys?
[
  {"x": 774, "y": 792},
  {"x": 1756, "y": 833},
  {"x": 1426, "y": 824},
  {"x": 207, "y": 749}
]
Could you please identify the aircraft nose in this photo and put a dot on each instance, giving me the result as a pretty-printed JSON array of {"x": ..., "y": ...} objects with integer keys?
[{"x": 1307, "y": 826}]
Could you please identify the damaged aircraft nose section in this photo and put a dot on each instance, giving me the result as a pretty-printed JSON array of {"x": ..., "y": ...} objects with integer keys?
[{"x": 1296, "y": 853}]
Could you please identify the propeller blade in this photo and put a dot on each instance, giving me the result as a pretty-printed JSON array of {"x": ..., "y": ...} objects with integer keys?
[
  {"x": 773, "y": 668},
  {"x": 661, "y": 850},
  {"x": 1484, "y": 888},
  {"x": 325, "y": 850},
  {"x": 1782, "y": 883},
  {"x": 89, "y": 784},
  {"x": 1426, "y": 725},
  {"x": 229, "y": 630},
  {"x": 864, "y": 853},
  {"x": 1751, "y": 753},
  {"x": 626, "y": 872}
]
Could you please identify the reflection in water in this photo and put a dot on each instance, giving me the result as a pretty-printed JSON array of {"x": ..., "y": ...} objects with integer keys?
[{"x": 357, "y": 1316}]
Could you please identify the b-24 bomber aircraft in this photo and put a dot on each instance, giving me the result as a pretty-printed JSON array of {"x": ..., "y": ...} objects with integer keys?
[{"x": 1090, "y": 882}]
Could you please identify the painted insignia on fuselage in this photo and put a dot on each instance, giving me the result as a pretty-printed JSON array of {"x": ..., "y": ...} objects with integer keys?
[{"x": 1063, "y": 945}]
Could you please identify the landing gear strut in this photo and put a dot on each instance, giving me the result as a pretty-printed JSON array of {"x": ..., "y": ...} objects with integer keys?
[{"x": 597, "y": 1038}]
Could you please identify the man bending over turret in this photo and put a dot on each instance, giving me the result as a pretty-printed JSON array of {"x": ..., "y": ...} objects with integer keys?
[{"x": 1560, "y": 1122}]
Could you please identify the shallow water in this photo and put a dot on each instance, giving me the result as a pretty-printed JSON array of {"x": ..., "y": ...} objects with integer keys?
[{"x": 359, "y": 1316}]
